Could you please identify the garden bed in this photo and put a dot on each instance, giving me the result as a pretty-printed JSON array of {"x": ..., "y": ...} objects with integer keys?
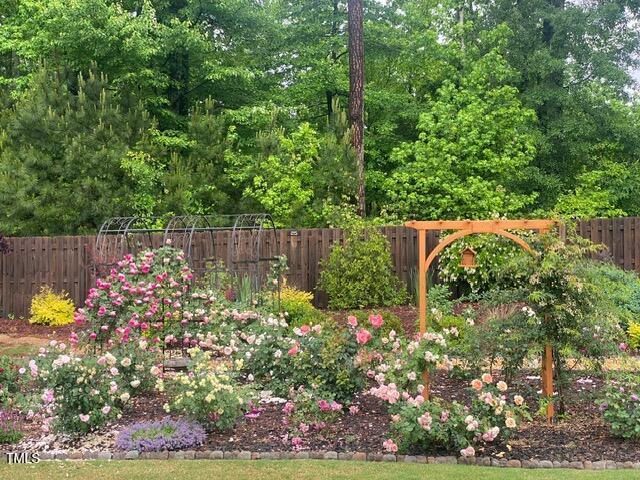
[{"x": 579, "y": 436}]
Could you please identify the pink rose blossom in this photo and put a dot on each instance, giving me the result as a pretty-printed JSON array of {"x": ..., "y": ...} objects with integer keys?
[
  {"x": 353, "y": 321},
  {"x": 363, "y": 336},
  {"x": 305, "y": 329},
  {"x": 375, "y": 321},
  {"x": 288, "y": 408},
  {"x": 468, "y": 452},
  {"x": 390, "y": 446},
  {"x": 293, "y": 351}
]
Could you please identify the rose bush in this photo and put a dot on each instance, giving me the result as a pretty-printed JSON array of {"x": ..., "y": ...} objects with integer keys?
[
  {"x": 428, "y": 425},
  {"x": 209, "y": 392},
  {"x": 318, "y": 358},
  {"x": 620, "y": 405},
  {"x": 77, "y": 394},
  {"x": 142, "y": 295}
]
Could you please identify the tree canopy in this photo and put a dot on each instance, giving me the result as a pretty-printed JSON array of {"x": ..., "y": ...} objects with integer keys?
[{"x": 160, "y": 107}]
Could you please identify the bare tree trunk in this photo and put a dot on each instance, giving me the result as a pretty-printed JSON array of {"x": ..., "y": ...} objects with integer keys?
[{"x": 356, "y": 92}]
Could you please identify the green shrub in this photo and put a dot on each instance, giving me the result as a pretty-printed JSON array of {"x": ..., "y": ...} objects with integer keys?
[
  {"x": 359, "y": 274},
  {"x": 298, "y": 307},
  {"x": 9, "y": 380},
  {"x": 439, "y": 298},
  {"x": 621, "y": 287},
  {"x": 492, "y": 251}
]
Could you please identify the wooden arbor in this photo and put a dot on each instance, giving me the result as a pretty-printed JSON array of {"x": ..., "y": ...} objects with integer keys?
[{"x": 462, "y": 228}]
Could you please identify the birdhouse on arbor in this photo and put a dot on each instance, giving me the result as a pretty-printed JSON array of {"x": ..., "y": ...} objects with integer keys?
[{"x": 468, "y": 258}]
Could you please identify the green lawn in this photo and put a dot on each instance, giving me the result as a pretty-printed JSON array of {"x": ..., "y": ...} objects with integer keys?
[{"x": 287, "y": 469}]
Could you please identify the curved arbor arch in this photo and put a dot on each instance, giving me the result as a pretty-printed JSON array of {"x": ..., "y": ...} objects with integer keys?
[{"x": 462, "y": 229}]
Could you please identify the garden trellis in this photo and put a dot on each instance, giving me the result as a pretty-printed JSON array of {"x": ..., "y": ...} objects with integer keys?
[
  {"x": 249, "y": 254},
  {"x": 463, "y": 228}
]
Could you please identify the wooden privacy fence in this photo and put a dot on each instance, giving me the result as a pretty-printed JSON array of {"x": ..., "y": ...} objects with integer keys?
[{"x": 64, "y": 262}]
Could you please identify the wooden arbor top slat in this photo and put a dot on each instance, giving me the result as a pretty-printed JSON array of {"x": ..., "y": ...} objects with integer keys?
[{"x": 479, "y": 226}]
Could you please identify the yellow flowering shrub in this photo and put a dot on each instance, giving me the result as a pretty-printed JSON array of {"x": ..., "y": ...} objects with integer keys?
[
  {"x": 634, "y": 334},
  {"x": 298, "y": 307},
  {"x": 50, "y": 308}
]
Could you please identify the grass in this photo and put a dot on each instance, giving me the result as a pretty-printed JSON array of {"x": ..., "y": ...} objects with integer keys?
[
  {"x": 18, "y": 350},
  {"x": 288, "y": 469}
]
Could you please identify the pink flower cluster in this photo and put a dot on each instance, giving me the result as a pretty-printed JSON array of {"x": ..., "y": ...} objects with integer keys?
[
  {"x": 332, "y": 406},
  {"x": 390, "y": 446},
  {"x": 388, "y": 393}
]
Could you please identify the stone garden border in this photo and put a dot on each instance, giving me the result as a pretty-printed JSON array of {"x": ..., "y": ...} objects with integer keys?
[{"x": 325, "y": 455}]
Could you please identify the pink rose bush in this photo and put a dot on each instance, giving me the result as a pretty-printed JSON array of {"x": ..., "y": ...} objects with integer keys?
[
  {"x": 312, "y": 357},
  {"x": 141, "y": 296},
  {"x": 421, "y": 425},
  {"x": 306, "y": 413},
  {"x": 77, "y": 394}
]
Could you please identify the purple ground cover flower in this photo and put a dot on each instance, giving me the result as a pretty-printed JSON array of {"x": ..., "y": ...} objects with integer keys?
[{"x": 165, "y": 434}]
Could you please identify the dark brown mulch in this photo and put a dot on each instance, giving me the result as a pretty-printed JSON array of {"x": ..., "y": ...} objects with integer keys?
[
  {"x": 364, "y": 431},
  {"x": 21, "y": 327}
]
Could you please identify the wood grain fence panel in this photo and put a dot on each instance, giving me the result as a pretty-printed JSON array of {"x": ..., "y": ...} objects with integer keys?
[{"x": 63, "y": 262}]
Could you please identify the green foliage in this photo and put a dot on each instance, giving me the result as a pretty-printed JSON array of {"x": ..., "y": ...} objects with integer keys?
[
  {"x": 565, "y": 308},
  {"x": 620, "y": 404},
  {"x": 61, "y": 154},
  {"x": 360, "y": 274},
  {"x": 491, "y": 252},
  {"x": 442, "y": 176},
  {"x": 298, "y": 176},
  {"x": 621, "y": 287},
  {"x": 439, "y": 299},
  {"x": 472, "y": 109},
  {"x": 9, "y": 380}
]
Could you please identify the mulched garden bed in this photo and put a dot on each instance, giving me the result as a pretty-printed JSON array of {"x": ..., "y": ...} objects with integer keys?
[
  {"x": 22, "y": 328},
  {"x": 579, "y": 435}
]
